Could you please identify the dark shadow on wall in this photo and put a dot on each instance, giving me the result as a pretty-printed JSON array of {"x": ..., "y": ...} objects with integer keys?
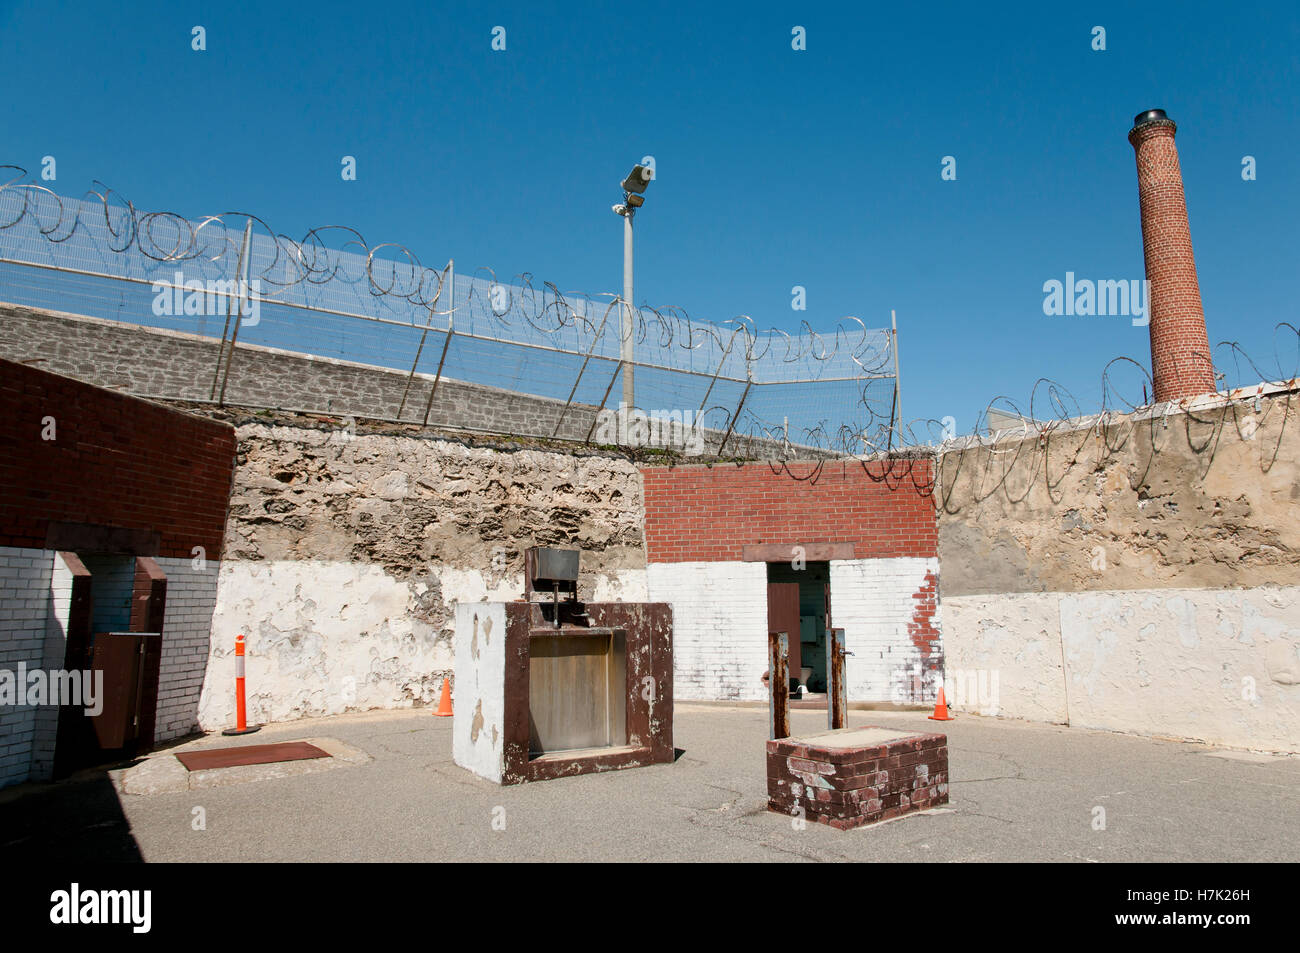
[{"x": 72, "y": 821}]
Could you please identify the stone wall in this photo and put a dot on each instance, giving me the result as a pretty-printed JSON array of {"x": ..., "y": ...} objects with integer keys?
[
  {"x": 156, "y": 362},
  {"x": 346, "y": 556},
  {"x": 1139, "y": 576},
  {"x": 161, "y": 363},
  {"x": 1194, "y": 499}
]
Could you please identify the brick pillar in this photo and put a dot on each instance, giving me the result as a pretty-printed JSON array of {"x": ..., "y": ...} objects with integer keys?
[{"x": 1180, "y": 348}]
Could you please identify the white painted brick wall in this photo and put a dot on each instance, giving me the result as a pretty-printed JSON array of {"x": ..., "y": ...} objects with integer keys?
[
  {"x": 872, "y": 601},
  {"x": 187, "y": 630},
  {"x": 56, "y": 647},
  {"x": 25, "y": 595},
  {"x": 719, "y": 627},
  {"x": 35, "y": 599}
]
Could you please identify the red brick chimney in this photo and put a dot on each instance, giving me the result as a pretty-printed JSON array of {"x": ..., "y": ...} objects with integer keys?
[{"x": 1180, "y": 348}]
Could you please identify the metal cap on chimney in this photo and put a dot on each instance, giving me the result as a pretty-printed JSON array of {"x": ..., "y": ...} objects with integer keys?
[{"x": 1149, "y": 115}]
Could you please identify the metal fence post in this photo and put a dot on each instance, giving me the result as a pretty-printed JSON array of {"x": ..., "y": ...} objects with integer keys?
[
  {"x": 423, "y": 336},
  {"x": 714, "y": 379},
  {"x": 836, "y": 690},
  {"x": 897, "y": 412},
  {"x": 581, "y": 371},
  {"x": 732, "y": 422},
  {"x": 230, "y": 304},
  {"x": 596, "y": 417},
  {"x": 778, "y": 681},
  {"x": 241, "y": 282}
]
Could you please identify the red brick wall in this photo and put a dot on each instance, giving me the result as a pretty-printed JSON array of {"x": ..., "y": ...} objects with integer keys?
[
  {"x": 115, "y": 461},
  {"x": 708, "y": 514}
]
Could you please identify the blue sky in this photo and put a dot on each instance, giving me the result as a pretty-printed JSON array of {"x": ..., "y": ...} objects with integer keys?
[{"x": 775, "y": 167}]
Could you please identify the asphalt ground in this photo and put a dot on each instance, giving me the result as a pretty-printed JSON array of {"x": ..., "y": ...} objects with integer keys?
[{"x": 1018, "y": 792}]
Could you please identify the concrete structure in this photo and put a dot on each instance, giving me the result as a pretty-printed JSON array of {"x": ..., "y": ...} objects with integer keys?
[{"x": 539, "y": 697}]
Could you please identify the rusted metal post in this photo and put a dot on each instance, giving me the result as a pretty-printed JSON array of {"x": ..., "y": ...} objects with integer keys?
[
  {"x": 837, "y": 698},
  {"x": 778, "y": 673}
]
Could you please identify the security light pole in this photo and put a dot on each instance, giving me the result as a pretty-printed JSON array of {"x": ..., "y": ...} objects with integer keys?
[
  {"x": 633, "y": 198},
  {"x": 628, "y": 323}
]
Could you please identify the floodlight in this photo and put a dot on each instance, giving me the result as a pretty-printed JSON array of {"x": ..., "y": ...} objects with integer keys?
[{"x": 638, "y": 180}]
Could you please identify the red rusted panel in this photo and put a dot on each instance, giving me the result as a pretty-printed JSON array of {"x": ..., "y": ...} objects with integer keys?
[
  {"x": 250, "y": 754},
  {"x": 118, "y": 657}
]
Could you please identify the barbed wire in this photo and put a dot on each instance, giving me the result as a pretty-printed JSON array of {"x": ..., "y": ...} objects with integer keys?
[
  {"x": 523, "y": 315},
  {"x": 333, "y": 270},
  {"x": 393, "y": 270},
  {"x": 1256, "y": 399}
]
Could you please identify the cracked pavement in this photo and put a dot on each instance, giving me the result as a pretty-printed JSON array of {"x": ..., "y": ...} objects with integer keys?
[{"x": 1018, "y": 791}]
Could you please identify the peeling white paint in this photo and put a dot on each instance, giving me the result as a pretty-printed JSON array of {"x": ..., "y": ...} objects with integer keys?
[
  {"x": 328, "y": 637},
  {"x": 1212, "y": 665},
  {"x": 873, "y": 601},
  {"x": 478, "y": 729}
]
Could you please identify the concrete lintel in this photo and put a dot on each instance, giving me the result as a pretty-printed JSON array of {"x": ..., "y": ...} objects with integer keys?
[{"x": 784, "y": 552}]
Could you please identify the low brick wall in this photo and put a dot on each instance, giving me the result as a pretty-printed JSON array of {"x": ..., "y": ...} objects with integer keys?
[{"x": 856, "y": 776}]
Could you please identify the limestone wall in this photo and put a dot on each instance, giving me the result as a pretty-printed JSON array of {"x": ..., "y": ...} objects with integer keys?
[
  {"x": 1142, "y": 576},
  {"x": 347, "y": 554},
  {"x": 1202, "y": 499}
]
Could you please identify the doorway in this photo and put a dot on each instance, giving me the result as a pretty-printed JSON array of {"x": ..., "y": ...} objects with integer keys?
[
  {"x": 798, "y": 603},
  {"x": 126, "y": 595}
]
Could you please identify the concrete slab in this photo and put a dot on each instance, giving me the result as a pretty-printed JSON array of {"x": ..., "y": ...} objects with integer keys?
[
  {"x": 163, "y": 773},
  {"x": 866, "y": 737}
]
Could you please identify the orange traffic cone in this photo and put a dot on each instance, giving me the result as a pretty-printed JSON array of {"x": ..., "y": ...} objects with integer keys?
[
  {"x": 941, "y": 709},
  {"x": 444, "y": 704}
]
